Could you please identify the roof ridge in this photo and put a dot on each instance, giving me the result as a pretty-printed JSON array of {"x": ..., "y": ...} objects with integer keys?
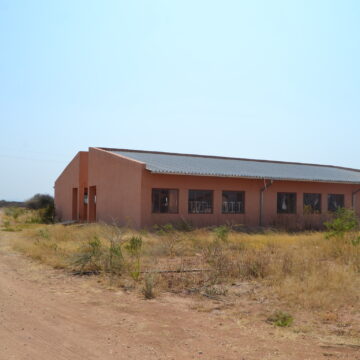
[{"x": 230, "y": 158}]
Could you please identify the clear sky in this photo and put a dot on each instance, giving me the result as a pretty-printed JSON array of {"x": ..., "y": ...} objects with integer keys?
[{"x": 260, "y": 79}]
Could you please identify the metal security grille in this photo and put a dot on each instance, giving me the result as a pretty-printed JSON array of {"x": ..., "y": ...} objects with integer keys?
[{"x": 200, "y": 201}]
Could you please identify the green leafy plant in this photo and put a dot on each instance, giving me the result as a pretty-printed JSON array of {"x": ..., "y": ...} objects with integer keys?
[
  {"x": 345, "y": 221},
  {"x": 44, "y": 234},
  {"x": 90, "y": 256},
  {"x": 134, "y": 246},
  {"x": 113, "y": 259},
  {"x": 164, "y": 229},
  {"x": 280, "y": 318},
  {"x": 355, "y": 241},
  {"x": 222, "y": 233},
  {"x": 113, "y": 256},
  {"x": 134, "y": 249}
]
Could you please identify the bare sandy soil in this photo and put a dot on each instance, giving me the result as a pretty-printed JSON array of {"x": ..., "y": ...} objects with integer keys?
[{"x": 47, "y": 314}]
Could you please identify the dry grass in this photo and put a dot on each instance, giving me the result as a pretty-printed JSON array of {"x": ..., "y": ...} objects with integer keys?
[
  {"x": 302, "y": 273},
  {"x": 304, "y": 270}
]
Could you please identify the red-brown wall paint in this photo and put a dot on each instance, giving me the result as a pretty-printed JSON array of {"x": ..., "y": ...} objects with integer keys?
[
  {"x": 186, "y": 183},
  {"x": 252, "y": 200},
  {"x": 299, "y": 219},
  {"x": 83, "y": 183},
  {"x": 73, "y": 176},
  {"x": 118, "y": 187}
]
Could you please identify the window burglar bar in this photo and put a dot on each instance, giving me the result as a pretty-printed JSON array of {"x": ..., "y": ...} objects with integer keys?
[
  {"x": 232, "y": 206},
  {"x": 198, "y": 207}
]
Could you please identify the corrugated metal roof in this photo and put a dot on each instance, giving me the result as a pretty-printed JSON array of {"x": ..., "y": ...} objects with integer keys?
[{"x": 183, "y": 164}]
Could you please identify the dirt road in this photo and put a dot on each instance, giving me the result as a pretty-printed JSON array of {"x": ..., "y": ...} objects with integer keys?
[{"x": 46, "y": 314}]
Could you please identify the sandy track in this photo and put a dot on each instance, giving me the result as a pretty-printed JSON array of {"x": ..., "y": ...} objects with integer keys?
[{"x": 46, "y": 314}]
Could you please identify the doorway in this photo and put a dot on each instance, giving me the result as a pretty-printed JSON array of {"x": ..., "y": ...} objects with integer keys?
[
  {"x": 92, "y": 203},
  {"x": 74, "y": 215},
  {"x": 85, "y": 205}
]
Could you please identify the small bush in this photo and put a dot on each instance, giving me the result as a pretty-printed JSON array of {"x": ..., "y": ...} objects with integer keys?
[
  {"x": 47, "y": 215},
  {"x": 355, "y": 241},
  {"x": 255, "y": 264},
  {"x": 113, "y": 259},
  {"x": 279, "y": 318},
  {"x": 44, "y": 234},
  {"x": 222, "y": 233},
  {"x": 90, "y": 256},
  {"x": 134, "y": 248},
  {"x": 14, "y": 212},
  {"x": 170, "y": 238},
  {"x": 345, "y": 221},
  {"x": 214, "y": 291},
  {"x": 164, "y": 229},
  {"x": 184, "y": 225},
  {"x": 148, "y": 289},
  {"x": 41, "y": 216}
]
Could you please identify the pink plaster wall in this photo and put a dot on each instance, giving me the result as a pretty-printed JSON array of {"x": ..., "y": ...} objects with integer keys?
[
  {"x": 252, "y": 200},
  {"x": 124, "y": 187},
  {"x": 73, "y": 176},
  {"x": 271, "y": 218},
  {"x": 118, "y": 187},
  {"x": 185, "y": 183}
]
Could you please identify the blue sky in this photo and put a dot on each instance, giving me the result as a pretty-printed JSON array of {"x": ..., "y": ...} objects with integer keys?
[{"x": 260, "y": 79}]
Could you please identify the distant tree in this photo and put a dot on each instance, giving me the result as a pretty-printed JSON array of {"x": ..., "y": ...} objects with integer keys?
[
  {"x": 40, "y": 201},
  {"x": 45, "y": 205}
]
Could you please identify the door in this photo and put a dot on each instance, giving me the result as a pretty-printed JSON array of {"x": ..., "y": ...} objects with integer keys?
[
  {"x": 74, "y": 215},
  {"x": 92, "y": 203}
]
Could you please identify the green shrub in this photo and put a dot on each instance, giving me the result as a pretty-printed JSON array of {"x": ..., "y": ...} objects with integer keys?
[
  {"x": 134, "y": 248},
  {"x": 345, "y": 221},
  {"x": 355, "y": 241},
  {"x": 90, "y": 256},
  {"x": 44, "y": 234},
  {"x": 14, "y": 212},
  {"x": 47, "y": 214},
  {"x": 164, "y": 229},
  {"x": 279, "y": 318},
  {"x": 113, "y": 259},
  {"x": 184, "y": 225},
  {"x": 222, "y": 233},
  {"x": 41, "y": 216}
]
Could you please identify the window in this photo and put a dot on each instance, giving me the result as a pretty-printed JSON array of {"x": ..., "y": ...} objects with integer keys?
[
  {"x": 165, "y": 201},
  {"x": 233, "y": 202},
  {"x": 312, "y": 203},
  {"x": 286, "y": 203},
  {"x": 335, "y": 201},
  {"x": 200, "y": 201}
]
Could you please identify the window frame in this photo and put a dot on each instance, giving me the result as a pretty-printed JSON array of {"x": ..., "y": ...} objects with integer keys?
[
  {"x": 286, "y": 212},
  {"x": 243, "y": 202},
  {"x": 313, "y": 212},
  {"x": 164, "y": 189},
  {"x": 328, "y": 202},
  {"x": 201, "y": 213}
]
